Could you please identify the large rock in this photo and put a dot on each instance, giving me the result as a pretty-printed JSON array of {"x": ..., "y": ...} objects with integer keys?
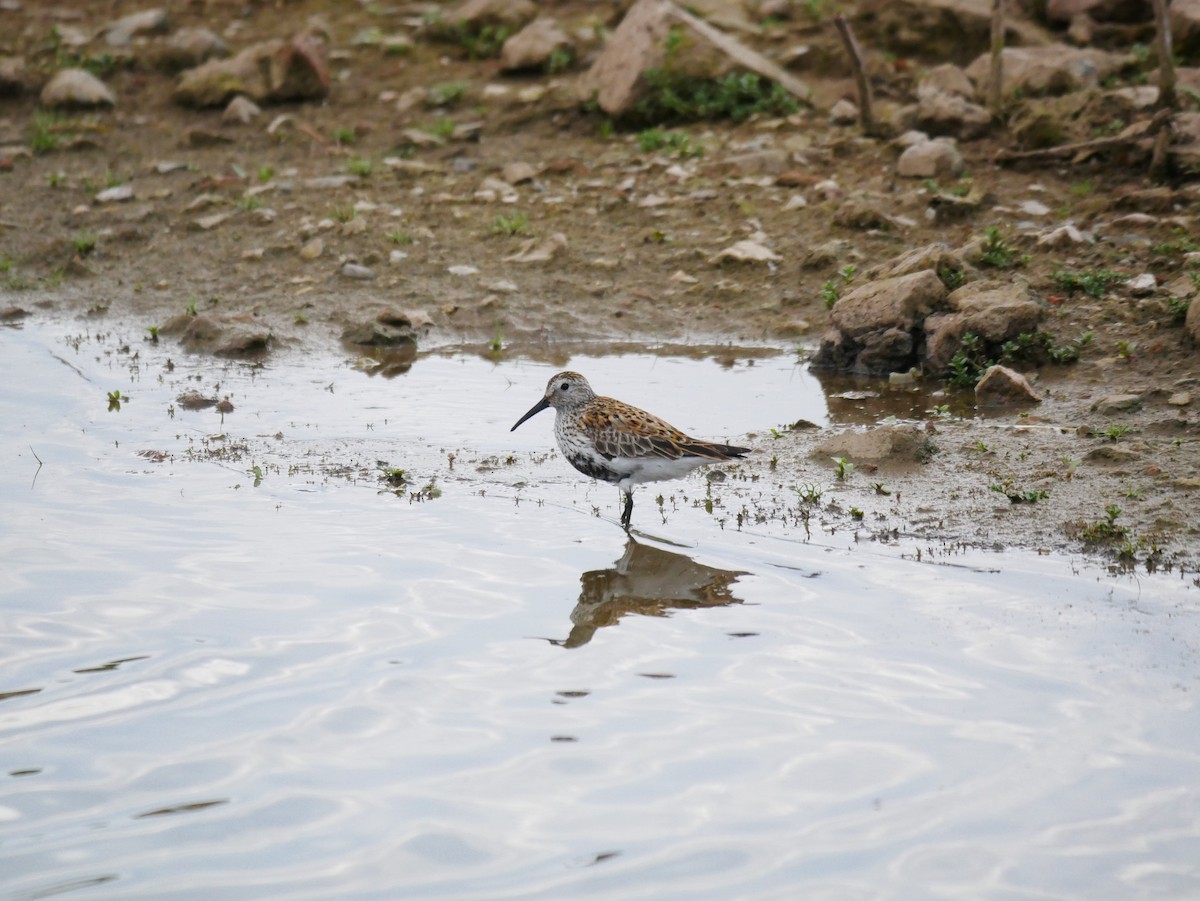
[
  {"x": 941, "y": 112},
  {"x": 991, "y": 310},
  {"x": 616, "y": 81},
  {"x": 1192, "y": 322},
  {"x": 1054, "y": 69},
  {"x": 877, "y": 327},
  {"x": 894, "y": 444},
  {"x": 273, "y": 71},
  {"x": 930, "y": 159},
  {"x": 941, "y": 29},
  {"x": 534, "y": 46},
  {"x": 76, "y": 88}
]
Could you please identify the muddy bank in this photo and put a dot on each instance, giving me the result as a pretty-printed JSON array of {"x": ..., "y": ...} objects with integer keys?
[{"x": 422, "y": 194}]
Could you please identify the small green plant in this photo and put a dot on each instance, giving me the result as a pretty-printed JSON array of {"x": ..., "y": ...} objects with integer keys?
[
  {"x": 560, "y": 60},
  {"x": 673, "y": 96},
  {"x": 479, "y": 42},
  {"x": 1104, "y": 531},
  {"x": 56, "y": 179},
  {"x": 1125, "y": 348},
  {"x": 808, "y": 493},
  {"x": 951, "y": 277},
  {"x": 496, "y": 345},
  {"x": 510, "y": 226},
  {"x": 84, "y": 243},
  {"x": 856, "y": 513},
  {"x": 443, "y": 128},
  {"x": 998, "y": 253},
  {"x": 44, "y": 132},
  {"x": 360, "y": 167},
  {"x": 115, "y": 399},
  {"x": 400, "y": 236},
  {"x": 1177, "y": 309},
  {"x": 266, "y": 173},
  {"x": 1176, "y": 248},
  {"x": 1093, "y": 282},
  {"x": 1017, "y": 496},
  {"x": 653, "y": 140},
  {"x": 343, "y": 212},
  {"x": 447, "y": 94},
  {"x": 153, "y": 330},
  {"x": 1113, "y": 432},
  {"x": 344, "y": 134},
  {"x": 842, "y": 467},
  {"x": 1083, "y": 188},
  {"x": 248, "y": 203},
  {"x": 829, "y": 293},
  {"x": 880, "y": 489},
  {"x": 393, "y": 476}
]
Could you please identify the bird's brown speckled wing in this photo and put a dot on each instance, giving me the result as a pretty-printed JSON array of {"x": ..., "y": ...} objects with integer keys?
[{"x": 619, "y": 429}]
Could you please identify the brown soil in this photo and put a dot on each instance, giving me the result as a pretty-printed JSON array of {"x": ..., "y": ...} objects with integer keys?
[{"x": 639, "y": 239}]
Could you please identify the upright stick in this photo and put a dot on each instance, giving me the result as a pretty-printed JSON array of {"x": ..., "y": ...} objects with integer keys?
[
  {"x": 1167, "y": 98},
  {"x": 996, "y": 89},
  {"x": 866, "y": 117}
]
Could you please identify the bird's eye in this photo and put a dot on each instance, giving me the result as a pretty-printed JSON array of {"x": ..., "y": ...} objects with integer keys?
[{"x": 564, "y": 386}]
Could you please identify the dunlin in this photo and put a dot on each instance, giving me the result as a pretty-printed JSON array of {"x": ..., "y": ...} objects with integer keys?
[{"x": 615, "y": 442}]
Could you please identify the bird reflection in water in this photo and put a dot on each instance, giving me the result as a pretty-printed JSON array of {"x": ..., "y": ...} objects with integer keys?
[{"x": 646, "y": 580}]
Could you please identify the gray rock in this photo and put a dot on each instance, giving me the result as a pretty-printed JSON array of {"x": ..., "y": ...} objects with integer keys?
[
  {"x": 1001, "y": 385},
  {"x": 189, "y": 47},
  {"x": 898, "y": 444},
  {"x": 902, "y": 302},
  {"x": 616, "y": 79},
  {"x": 356, "y": 271},
  {"x": 241, "y": 111},
  {"x": 149, "y": 21},
  {"x": 533, "y": 46},
  {"x": 942, "y": 113},
  {"x": 12, "y": 75},
  {"x": 387, "y": 329},
  {"x": 1052, "y": 69},
  {"x": 993, "y": 311},
  {"x": 76, "y": 88},
  {"x": 225, "y": 336},
  {"x": 115, "y": 194},
  {"x": 273, "y": 71},
  {"x": 1117, "y": 403},
  {"x": 933, "y": 159}
]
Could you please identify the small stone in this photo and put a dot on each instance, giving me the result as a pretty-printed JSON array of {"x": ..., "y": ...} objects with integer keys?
[
  {"x": 843, "y": 113},
  {"x": 396, "y": 257},
  {"x": 745, "y": 252},
  {"x": 1142, "y": 285},
  {"x": 116, "y": 194},
  {"x": 1001, "y": 385},
  {"x": 312, "y": 249},
  {"x": 76, "y": 88},
  {"x": 1033, "y": 208},
  {"x": 933, "y": 159},
  {"x": 516, "y": 173},
  {"x": 533, "y": 251},
  {"x": 1065, "y": 236},
  {"x": 1180, "y": 399},
  {"x": 462, "y": 270},
  {"x": 356, "y": 271},
  {"x": 149, "y": 21},
  {"x": 1117, "y": 403},
  {"x": 207, "y": 223},
  {"x": 241, "y": 111}
]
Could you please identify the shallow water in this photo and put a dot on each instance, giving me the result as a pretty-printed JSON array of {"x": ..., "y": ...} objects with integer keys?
[{"x": 286, "y": 683}]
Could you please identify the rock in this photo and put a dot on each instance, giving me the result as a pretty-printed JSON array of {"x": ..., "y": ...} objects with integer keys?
[
  {"x": 202, "y": 137},
  {"x": 76, "y": 88},
  {"x": 224, "y": 336},
  {"x": 189, "y": 47},
  {"x": 1065, "y": 236},
  {"x": 1179, "y": 399},
  {"x": 933, "y": 159},
  {"x": 534, "y": 45},
  {"x": 1185, "y": 25},
  {"x": 493, "y": 13},
  {"x": 241, "y": 111},
  {"x": 934, "y": 257},
  {"x": 208, "y": 223},
  {"x": 312, "y": 249},
  {"x": 863, "y": 214},
  {"x": 745, "y": 252},
  {"x": 273, "y": 71},
  {"x": 844, "y": 113},
  {"x": 516, "y": 173},
  {"x": 993, "y": 311},
  {"x": 12, "y": 75},
  {"x": 616, "y": 80},
  {"x": 1001, "y": 385},
  {"x": 1142, "y": 285},
  {"x": 947, "y": 79},
  {"x": 942, "y": 113},
  {"x": 1052, "y": 69},
  {"x": 942, "y": 29},
  {"x": 387, "y": 329},
  {"x": 150, "y": 21},
  {"x": 534, "y": 251},
  {"x": 897, "y": 444},
  {"x": 355, "y": 271},
  {"x": 115, "y": 194},
  {"x": 1112, "y": 453},
  {"x": 1099, "y": 10},
  {"x": 1117, "y": 403},
  {"x": 1192, "y": 322}
]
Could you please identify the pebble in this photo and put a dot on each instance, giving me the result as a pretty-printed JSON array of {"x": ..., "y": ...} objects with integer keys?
[
  {"x": 77, "y": 87},
  {"x": 462, "y": 270},
  {"x": 241, "y": 111},
  {"x": 115, "y": 194},
  {"x": 356, "y": 271},
  {"x": 312, "y": 249},
  {"x": 1142, "y": 285}
]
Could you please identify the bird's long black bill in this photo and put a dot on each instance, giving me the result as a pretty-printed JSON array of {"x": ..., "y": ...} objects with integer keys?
[{"x": 537, "y": 408}]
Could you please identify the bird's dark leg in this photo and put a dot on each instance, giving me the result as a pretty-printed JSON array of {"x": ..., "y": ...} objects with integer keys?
[{"x": 627, "y": 513}]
